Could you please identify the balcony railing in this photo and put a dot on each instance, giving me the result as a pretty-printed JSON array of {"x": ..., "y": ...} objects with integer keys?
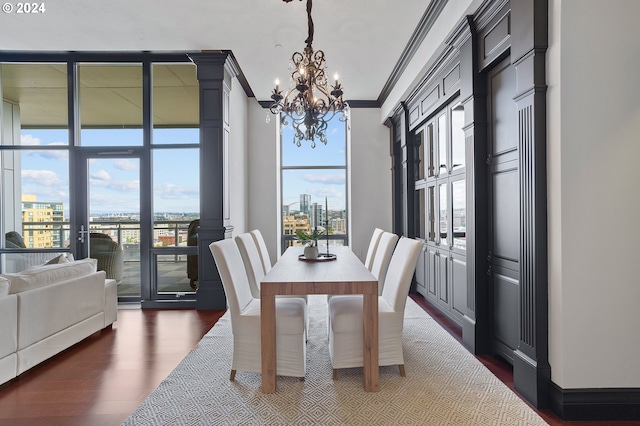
[{"x": 57, "y": 234}]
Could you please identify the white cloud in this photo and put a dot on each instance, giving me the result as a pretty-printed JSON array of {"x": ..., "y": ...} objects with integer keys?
[
  {"x": 124, "y": 185},
  {"x": 29, "y": 140},
  {"x": 124, "y": 164},
  {"x": 170, "y": 191},
  {"x": 101, "y": 175},
  {"x": 46, "y": 178},
  {"x": 337, "y": 179},
  {"x": 330, "y": 192}
]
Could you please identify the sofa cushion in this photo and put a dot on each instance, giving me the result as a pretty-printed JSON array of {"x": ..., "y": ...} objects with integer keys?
[
  {"x": 5, "y": 285},
  {"x": 39, "y": 276},
  {"x": 47, "y": 310}
]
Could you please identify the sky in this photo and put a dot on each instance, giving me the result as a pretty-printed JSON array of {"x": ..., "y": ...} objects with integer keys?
[
  {"x": 115, "y": 182},
  {"x": 317, "y": 183}
]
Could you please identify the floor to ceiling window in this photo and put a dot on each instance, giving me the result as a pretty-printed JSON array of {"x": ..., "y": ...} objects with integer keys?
[
  {"x": 35, "y": 163},
  {"x": 103, "y": 147},
  {"x": 314, "y": 186}
]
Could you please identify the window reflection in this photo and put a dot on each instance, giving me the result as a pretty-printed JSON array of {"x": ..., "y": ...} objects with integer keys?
[
  {"x": 457, "y": 137},
  {"x": 419, "y": 144},
  {"x": 459, "y": 224},
  {"x": 431, "y": 216},
  {"x": 431, "y": 146},
  {"x": 444, "y": 214},
  {"x": 420, "y": 216},
  {"x": 442, "y": 143}
]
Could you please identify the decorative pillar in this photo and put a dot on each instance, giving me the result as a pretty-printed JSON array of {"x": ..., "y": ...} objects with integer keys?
[
  {"x": 531, "y": 369},
  {"x": 475, "y": 323},
  {"x": 215, "y": 70}
]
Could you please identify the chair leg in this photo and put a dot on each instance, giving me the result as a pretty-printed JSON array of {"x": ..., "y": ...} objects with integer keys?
[
  {"x": 335, "y": 374},
  {"x": 232, "y": 376},
  {"x": 402, "y": 372}
]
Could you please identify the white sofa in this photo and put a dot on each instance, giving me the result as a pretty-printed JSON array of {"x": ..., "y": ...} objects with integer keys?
[{"x": 49, "y": 308}]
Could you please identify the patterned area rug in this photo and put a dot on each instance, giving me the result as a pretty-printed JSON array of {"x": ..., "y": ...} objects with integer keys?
[{"x": 445, "y": 385}]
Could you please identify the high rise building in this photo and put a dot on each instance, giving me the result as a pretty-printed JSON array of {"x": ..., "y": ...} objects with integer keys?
[
  {"x": 39, "y": 222},
  {"x": 305, "y": 203}
]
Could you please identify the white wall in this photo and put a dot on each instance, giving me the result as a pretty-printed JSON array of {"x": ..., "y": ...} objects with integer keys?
[
  {"x": 238, "y": 137},
  {"x": 371, "y": 205},
  {"x": 593, "y": 128},
  {"x": 262, "y": 176}
]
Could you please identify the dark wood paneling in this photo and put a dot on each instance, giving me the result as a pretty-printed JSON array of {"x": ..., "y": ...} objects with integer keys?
[
  {"x": 451, "y": 81},
  {"x": 459, "y": 285},
  {"x": 505, "y": 293},
  {"x": 443, "y": 278},
  {"x": 429, "y": 100},
  {"x": 214, "y": 72},
  {"x": 497, "y": 37}
]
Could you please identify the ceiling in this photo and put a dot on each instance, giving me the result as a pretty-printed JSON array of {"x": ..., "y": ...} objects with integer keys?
[{"x": 362, "y": 39}]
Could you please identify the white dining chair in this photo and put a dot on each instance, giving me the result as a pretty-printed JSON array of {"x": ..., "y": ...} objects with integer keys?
[
  {"x": 262, "y": 249},
  {"x": 345, "y": 335},
  {"x": 252, "y": 262},
  {"x": 373, "y": 245},
  {"x": 378, "y": 255},
  {"x": 253, "y": 265},
  {"x": 244, "y": 310},
  {"x": 382, "y": 257}
]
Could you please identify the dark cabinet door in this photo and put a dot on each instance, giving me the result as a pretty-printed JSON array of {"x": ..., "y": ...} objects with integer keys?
[{"x": 504, "y": 209}]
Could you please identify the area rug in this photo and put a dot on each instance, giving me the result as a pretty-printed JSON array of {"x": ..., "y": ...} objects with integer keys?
[{"x": 444, "y": 385}]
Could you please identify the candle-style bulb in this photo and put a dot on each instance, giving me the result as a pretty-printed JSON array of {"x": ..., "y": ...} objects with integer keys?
[{"x": 335, "y": 77}]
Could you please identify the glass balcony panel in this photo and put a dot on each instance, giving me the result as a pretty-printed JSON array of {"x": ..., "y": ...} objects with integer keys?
[
  {"x": 172, "y": 274},
  {"x": 176, "y": 196}
]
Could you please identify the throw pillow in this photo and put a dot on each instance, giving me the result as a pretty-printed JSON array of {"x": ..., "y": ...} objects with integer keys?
[
  {"x": 5, "y": 285},
  {"x": 58, "y": 259}
]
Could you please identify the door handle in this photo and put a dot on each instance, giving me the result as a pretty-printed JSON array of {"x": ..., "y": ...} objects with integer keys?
[{"x": 82, "y": 233}]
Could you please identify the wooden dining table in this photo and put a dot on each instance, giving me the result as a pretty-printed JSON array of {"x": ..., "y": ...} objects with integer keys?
[{"x": 345, "y": 274}]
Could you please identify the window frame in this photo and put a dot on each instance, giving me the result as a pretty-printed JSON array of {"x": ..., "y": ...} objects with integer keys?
[{"x": 284, "y": 239}]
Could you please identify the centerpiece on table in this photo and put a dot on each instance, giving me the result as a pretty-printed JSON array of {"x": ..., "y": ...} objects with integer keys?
[{"x": 311, "y": 242}]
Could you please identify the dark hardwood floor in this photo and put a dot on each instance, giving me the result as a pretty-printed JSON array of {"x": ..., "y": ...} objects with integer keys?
[{"x": 102, "y": 379}]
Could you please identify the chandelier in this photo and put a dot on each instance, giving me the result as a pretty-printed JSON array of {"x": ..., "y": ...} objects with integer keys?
[{"x": 308, "y": 105}]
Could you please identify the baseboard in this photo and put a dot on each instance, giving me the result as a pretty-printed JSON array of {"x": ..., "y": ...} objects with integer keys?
[{"x": 595, "y": 404}]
